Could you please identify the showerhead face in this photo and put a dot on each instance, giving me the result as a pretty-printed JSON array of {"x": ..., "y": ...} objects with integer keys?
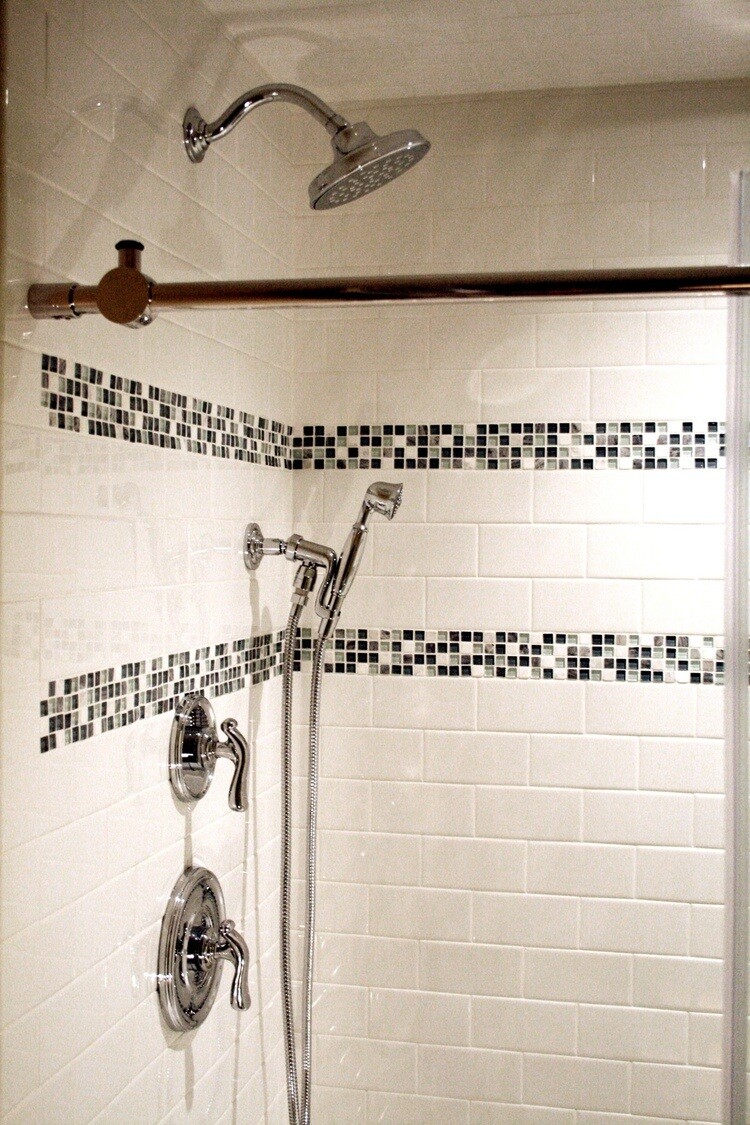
[{"x": 364, "y": 162}]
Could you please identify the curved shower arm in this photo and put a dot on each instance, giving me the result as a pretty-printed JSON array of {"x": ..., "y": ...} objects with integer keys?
[{"x": 199, "y": 134}]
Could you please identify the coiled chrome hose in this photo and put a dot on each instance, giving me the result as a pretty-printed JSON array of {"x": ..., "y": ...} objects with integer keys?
[{"x": 287, "y": 670}]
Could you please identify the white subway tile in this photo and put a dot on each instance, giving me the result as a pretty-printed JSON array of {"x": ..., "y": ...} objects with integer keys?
[
  {"x": 697, "y": 604},
  {"x": 491, "y": 1113},
  {"x": 382, "y": 962},
  {"x": 526, "y": 705},
  {"x": 528, "y": 920},
  {"x": 375, "y": 602},
  {"x": 659, "y": 393},
  {"x": 436, "y": 810},
  {"x": 706, "y": 931},
  {"x": 445, "y": 550},
  {"x": 655, "y": 172},
  {"x": 473, "y": 603},
  {"x": 523, "y": 1025},
  {"x": 481, "y": 338},
  {"x": 586, "y": 604},
  {"x": 463, "y": 1072},
  {"x": 532, "y": 552},
  {"x": 404, "y": 1109},
  {"x": 677, "y": 1090},
  {"x": 417, "y": 912},
  {"x": 578, "y": 1083},
  {"x": 531, "y": 394},
  {"x": 696, "y": 336},
  {"x": 677, "y": 982},
  {"x": 420, "y": 1017},
  {"x": 593, "y": 339},
  {"x": 687, "y": 497},
  {"x": 430, "y": 704},
  {"x": 635, "y": 927},
  {"x": 469, "y": 968},
  {"x": 464, "y": 497},
  {"x": 638, "y": 818},
  {"x": 369, "y": 857},
  {"x": 678, "y": 551},
  {"x": 640, "y": 1034},
  {"x": 680, "y": 874},
  {"x": 524, "y": 813},
  {"x": 472, "y": 757},
  {"x": 436, "y": 394},
  {"x": 575, "y": 974},
  {"x": 705, "y": 1039},
  {"x": 682, "y": 765},
  {"x": 586, "y": 762},
  {"x": 366, "y": 1064},
  {"x": 641, "y": 709},
  {"x": 581, "y": 869},
  {"x": 581, "y": 497},
  {"x": 485, "y": 865},
  {"x": 374, "y": 754},
  {"x": 708, "y": 821}
]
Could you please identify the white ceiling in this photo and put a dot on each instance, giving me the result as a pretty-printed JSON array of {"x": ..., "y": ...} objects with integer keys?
[{"x": 383, "y": 49}]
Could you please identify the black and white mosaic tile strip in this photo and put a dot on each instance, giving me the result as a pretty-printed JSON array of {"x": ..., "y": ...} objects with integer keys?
[
  {"x": 88, "y": 401},
  {"x": 92, "y": 703},
  {"x": 513, "y": 445},
  {"x": 605, "y": 657}
]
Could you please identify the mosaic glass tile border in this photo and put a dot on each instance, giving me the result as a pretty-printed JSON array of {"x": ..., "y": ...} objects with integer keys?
[
  {"x": 88, "y": 401},
  {"x": 489, "y": 654},
  {"x": 513, "y": 445},
  {"x": 79, "y": 707},
  {"x": 91, "y": 703},
  {"x": 111, "y": 406}
]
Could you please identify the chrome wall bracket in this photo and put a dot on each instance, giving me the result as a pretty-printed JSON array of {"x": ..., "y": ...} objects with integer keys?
[
  {"x": 196, "y": 938},
  {"x": 194, "y": 747},
  {"x": 252, "y": 548}
]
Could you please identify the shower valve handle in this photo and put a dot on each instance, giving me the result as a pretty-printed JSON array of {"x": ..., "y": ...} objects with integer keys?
[
  {"x": 231, "y": 946},
  {"x": 194, "y": 748},
  {"x": 237, "y": 751}
]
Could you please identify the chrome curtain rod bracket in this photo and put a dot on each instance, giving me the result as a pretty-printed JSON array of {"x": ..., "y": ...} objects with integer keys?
[{"x": 126, "y": 296}]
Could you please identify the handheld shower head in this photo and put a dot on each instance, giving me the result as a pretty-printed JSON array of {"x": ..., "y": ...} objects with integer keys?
[
  {"x": 383, "y": 498},
  {"x": 380, "y": 497}
]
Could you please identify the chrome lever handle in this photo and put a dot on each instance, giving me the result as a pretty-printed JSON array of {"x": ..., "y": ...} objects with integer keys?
[
  {"x": 238, "y": 752},
  {"x": 232, "y": 947},
  {"x": 194, "y": 747}
]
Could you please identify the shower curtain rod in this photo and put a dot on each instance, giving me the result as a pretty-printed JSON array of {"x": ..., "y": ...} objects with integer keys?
[{"x": 127, "y": 296}]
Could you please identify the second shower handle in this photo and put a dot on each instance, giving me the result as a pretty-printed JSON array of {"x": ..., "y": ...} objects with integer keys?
[{"x": 195, "y": 747}]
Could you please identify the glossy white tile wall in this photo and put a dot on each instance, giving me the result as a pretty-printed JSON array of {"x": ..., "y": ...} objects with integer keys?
[
  {"x": 528, "y": 875},
  {"x": 113, "y": 553}
]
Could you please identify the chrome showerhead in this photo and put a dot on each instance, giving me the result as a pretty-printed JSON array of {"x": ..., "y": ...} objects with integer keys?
[
  {"x": 383, "y": 498},
  {"x": 364, "y": 162}
]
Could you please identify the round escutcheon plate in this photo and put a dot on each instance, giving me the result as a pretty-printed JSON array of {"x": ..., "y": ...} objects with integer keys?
[{"x": 187, "y": 979}]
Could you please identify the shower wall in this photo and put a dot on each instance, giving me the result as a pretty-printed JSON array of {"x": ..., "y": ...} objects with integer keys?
[
  {"x": 131, "y": 463},
  {"x": 521, "y": 796}
]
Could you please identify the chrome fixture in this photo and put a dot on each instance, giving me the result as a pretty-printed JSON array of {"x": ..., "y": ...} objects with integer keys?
[
  {"x": 196, "y": 938},
  {"x": 194, "y": 748},
  {"x": 363, "y": 161},
  {"x": 337, "y": 577},
  {"x": 66, "y": 300}
]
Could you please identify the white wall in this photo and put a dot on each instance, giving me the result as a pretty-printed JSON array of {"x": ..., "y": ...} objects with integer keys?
[
  {"x": 522, "y": 879},
  {"x": 115, "y": 553}
]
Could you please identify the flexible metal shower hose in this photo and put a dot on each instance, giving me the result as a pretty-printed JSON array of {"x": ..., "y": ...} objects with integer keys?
[
  {"x": 299, "y": 1114},
  {"x": 287, "y": 669}
]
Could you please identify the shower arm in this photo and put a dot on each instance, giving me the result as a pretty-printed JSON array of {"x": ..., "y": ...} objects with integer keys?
[
  {"x": 126, "y": 296},
  {"x": 198, "y": 133}
]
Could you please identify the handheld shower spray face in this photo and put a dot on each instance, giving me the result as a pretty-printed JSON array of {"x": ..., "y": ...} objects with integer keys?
[{"x": 380, "y": 497}]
